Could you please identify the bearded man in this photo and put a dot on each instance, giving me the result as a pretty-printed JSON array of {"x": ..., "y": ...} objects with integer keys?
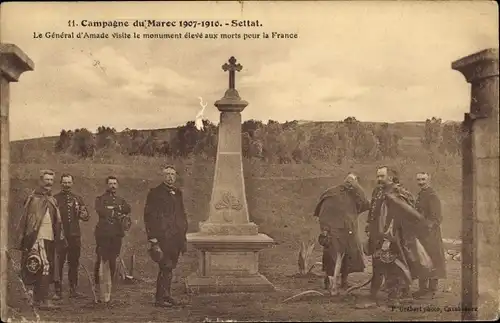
[
  {"x": 429, "y": 205},
  {"x": 338, "y": 211},
  {"x": 73, "y": 210},
  {"x": 40, "y": 234},
  {"x": 397, "y": 255},
  {"x": 166, "y": 227}
]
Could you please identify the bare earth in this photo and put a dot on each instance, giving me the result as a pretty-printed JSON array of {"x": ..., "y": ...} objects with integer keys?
[
  {"x": 134, "y": 302},
  {"x": 281, "y": 207}
]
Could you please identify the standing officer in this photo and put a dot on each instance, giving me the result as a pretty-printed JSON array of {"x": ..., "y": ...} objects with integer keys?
[
  {"x": 114, "y": 220},
  {"x": 73, "y": 210},
  {"x": 429, "y": 205},
  {"x": 39, "y": 234},
  {"x": 166, "y": 227}
]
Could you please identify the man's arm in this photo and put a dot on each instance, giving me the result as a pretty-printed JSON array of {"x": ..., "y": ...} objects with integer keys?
[
  {"x": 362, "y": 203},
  {"x": 99, "y": 207},
  {"x": 126, "y": 209},
  {"x": 83, "y": 212},
  {"x": 21, "y": 226},
  {"x": 149, "y": 219},
  {"x": 434, "y": 216},
  {"x": 184, "y": 212}
]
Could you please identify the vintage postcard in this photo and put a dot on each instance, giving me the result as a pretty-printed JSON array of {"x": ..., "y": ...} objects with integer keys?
[{"x": 249, "y": 161}]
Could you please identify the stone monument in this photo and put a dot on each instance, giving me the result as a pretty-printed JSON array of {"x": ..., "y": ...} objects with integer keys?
[
  {"x": 228, "y": 243},
  {"x": 480, "y": 171},
  {"x": 13, "y": 62}
]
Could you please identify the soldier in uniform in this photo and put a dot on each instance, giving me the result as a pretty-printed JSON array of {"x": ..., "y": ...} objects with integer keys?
[
  {"x": 429, "y": 205},
  {"x": 114, "y": 220},
  {"x": 397, "y": 256},
  {"x": 166, "y": 227},
  {"x": 39, "y": 235},
  {"x": 73, "y": 210}
]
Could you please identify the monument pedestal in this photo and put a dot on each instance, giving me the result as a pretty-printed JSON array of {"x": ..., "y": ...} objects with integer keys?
[
  {"x": 228, "y": 243},
  {"x": 228, "y": 263}
]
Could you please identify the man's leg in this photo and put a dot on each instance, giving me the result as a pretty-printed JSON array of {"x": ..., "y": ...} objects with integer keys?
[
  {"x": 74, "y": 250},
  {"x": 377, "y": 279},
  {"x": 423, "y": 288},
  {"x": 97, "y": 265},
  {"x": 41, "y": 290},
  {"x": 433, "y": 286},
  {"x": 115, "y": 249},
  {"x": 393, "y": 284},
  {"x": 60, "y": 267},
  {"x": 167, "y": 266},
  {"x": 328, "y": 267},
  {"x": 163, "y": 285},
  {"x": 344, "y": 273}
]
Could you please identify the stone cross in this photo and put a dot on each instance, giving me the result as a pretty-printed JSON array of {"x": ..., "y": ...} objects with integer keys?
[
  {"x": 13, "y": 62},
  {"x": 232, "y": 67},
  {"x": 480, "y": 176}
]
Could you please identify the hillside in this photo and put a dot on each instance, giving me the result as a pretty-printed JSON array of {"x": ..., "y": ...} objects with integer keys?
[{"x": 408, "y": 130}]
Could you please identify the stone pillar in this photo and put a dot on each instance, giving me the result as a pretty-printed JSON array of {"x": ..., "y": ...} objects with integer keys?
[
  {"x": 481, "y": 229},
  {"x": 228, "y": 243},
  {"x": 13, "y": 62}
]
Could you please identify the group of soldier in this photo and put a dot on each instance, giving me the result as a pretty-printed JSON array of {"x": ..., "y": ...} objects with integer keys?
[
  {"x": 49, "y": 235},
  {"x": 403, "y": 235}
]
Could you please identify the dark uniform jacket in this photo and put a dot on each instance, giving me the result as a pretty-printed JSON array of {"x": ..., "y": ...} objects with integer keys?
[
  {"x": 429, "y": 205},
  {"x": 110, "y": 208},
  {"x": 165, "y": 217},
  {"x": 72, "y": 210}
]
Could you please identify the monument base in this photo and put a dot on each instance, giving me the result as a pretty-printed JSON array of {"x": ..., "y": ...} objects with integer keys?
[
  {"x": 227, "y": 284},
  {"x": 228, "y": 263}
]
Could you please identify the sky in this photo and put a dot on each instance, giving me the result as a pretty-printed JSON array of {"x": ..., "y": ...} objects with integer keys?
[{"x": 376, "y": 61}]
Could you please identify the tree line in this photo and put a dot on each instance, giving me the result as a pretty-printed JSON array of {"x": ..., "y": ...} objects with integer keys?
[{"x": 274, "y": 142}]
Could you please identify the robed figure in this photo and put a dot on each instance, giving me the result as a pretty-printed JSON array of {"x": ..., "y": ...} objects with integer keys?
[
  {"x": 397, "y": 254},
  {"x": 338, "y": 211},
  {"x": 166, "y": 227},
  {"x": 39, "y": 236}
]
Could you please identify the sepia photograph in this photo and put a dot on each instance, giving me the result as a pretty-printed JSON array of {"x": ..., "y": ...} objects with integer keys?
[{"x": 249, "y": 161}]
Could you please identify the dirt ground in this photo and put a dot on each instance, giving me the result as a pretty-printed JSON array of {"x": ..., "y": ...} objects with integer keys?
[{"x": 134, "y": 302}]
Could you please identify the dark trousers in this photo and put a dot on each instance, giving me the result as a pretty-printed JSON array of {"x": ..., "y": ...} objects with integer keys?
[
  {"x": 166, "y": 266},
  {"x": 163, "y": 283},
  {"x": 428, "y": 284},
  {"x": 71, "y": 254},
  {"x": 108, "y": 249},
  {"x": 394, "y": 280},
  {"x": 42, "y": 284}
]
